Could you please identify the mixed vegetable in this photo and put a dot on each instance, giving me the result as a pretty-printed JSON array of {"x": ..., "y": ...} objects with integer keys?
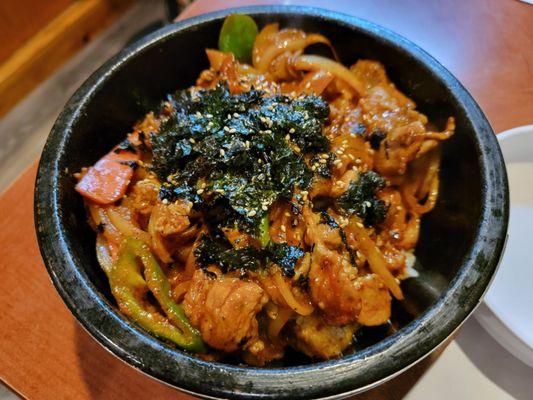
[
  {"x": 272, "y": 204},
  {"x": 129, "y": 285}
]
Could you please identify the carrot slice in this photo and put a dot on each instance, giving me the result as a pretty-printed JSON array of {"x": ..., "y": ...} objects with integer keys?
[{"x": 107, "y": 180}]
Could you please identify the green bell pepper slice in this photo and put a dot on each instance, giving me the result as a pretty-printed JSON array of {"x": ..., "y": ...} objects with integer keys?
[
  {"x": 264, "y": 234},
  {"x": 129, "y": 286},
  {"x": 237, "y": 36}
]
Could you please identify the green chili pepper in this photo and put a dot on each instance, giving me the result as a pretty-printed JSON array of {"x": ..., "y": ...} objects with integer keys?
[
  {"x": 264, "y": 227},
  {"x": 237, "y": 36},
  {"x": 129, "y": 286}
]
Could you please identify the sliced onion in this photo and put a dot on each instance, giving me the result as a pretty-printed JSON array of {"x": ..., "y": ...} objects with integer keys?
[
  {"x": 125, "y": 226},
  {"x": 288, "y": 296},
  {"x": 276, "y": 325},
  {"x": 375, "y": 259},
  {"x": 315, "y": 82},
  {"x": 308, "y": 62},
  {"x": 156, "y": 240},
  {"x": 446, "y": 134},
  {"x": 102, "y": 253},
  {"x": 271, "y": 43},
  {"x": 261, "y": 41}
]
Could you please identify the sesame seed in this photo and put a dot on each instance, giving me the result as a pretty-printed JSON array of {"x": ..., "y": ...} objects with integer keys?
[
  {"x": 236, "y": 115},
  {"x": 251, "y": 213},
  {"x": 322, "y": 161},
  {"x": 232, "y": 130},
  {"x": 313, "y": 168},
  {"x": 340, "y": 184},
  {"x": 292, "y": 130},
  {"x": 360, "y": 225},
  {"x": 226, "y": 129},
  {"x": 264, "y": 208},
  {"x": 358, "y": 161},
  {"x": 324, "y": 156},
  {"x": 259, "y": 161},
  {"x": 287, "y": 137},
  {"x": 304, "y": 192},
  {"x": 222, "y": 152},
  {"x": 339, "y": 151},
  {"x": 209, "y": 115},
  {"x": 351, "y": 156},
  {"x": 297, "y": 149},
  {"x": 283, "y": 229},
  {"x": 399, "y": 208},
  {"x": 192, "y": 140},
  {"x": 203, "y": 185},
  {"x": 164, "y": 201},
  {"x": 268, "y": 131},
  {"x": 199, "y": 191},
  {"x": 247, "y": 144},
  {"x": 229, "y": 116}
]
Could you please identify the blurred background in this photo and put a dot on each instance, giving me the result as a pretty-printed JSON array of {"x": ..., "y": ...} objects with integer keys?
[{"x": 64, "y": 40}]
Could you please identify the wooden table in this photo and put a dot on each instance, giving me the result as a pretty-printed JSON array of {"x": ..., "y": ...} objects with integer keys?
[{"x": 45, "y": 354}]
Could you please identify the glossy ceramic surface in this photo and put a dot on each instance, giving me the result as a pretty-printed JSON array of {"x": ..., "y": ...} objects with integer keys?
[{"x": 507, "y": 314}]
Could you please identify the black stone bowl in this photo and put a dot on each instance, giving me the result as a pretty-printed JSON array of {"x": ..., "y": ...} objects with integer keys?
[{"x": 460, "y": 242}]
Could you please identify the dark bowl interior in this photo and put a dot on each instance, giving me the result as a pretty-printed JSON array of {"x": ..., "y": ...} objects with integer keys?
[{"x": 460, "y": 242}]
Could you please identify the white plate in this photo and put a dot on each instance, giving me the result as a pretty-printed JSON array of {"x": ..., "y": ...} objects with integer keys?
[{"x": 507, "y": 313}]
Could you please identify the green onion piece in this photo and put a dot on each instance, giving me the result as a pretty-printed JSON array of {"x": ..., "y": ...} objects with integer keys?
[{"x": 264, "y": 235}]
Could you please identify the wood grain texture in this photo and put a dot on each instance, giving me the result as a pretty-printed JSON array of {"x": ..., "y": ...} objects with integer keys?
[
  {"x": 31, "y": 63},
  {"x": 21, "y": 19},
  {"x": 44, "y": 354}
]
